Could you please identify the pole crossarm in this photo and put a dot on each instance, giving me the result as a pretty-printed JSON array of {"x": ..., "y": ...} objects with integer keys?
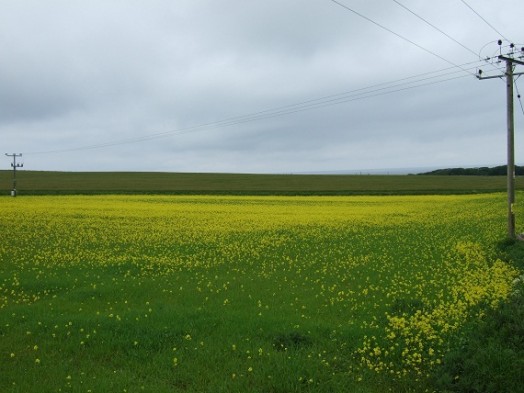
[
  {"x": 511, "y": 59},
  {"x": 498, "y": 76}
]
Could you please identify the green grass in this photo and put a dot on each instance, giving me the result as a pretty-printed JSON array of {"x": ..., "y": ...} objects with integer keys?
[
  {"x": 231, "y": 294},
  {"x": 34, "y": 182}
]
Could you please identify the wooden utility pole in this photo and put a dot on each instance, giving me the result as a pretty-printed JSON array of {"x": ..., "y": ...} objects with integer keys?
[
  {"x": 511, "y": 61},
  {"x": 511, "y": 148}
]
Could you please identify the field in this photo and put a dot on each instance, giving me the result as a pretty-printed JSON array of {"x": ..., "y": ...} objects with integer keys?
[
  {"x": 243, "y": 293},
  {"x": 38, "y": 183}
]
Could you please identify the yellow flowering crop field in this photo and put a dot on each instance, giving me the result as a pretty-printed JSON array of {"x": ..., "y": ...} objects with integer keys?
[{"x": 237, "y": 294}]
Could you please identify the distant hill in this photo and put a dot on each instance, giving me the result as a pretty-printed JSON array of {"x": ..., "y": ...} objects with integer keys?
[{"x": 481, "y": 171}]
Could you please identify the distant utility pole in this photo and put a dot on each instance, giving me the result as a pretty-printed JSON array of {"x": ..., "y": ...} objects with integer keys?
[
  {"x": 15, "y": 165},
  {"x": 511, "y": 62}
]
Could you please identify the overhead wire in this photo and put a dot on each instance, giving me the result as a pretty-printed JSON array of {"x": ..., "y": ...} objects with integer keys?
[
  {"x": 434, "y": 27},
  {"x": 420, "y": 80},
  {"x": 445, "y": 34},
  {"x": 396, "y": 34},
  {"x": 484, "y": 19}
]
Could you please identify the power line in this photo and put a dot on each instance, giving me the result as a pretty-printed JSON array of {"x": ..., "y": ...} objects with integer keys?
[
  {"x": 435, "y": 27},
  {"x": 421, "y": 80},
  {"x": 396, "y": 34},
  {"x": 485, "y": 21},
  {"x": 357, "y": 92}
]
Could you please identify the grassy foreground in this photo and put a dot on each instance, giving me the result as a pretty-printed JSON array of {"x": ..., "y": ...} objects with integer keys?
[
  {"x": 244, "y": 294},
  {"x": 34, "y": 182}
]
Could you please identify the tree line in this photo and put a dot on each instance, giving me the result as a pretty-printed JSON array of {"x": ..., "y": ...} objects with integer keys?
[{"x": 481, "y": 171}]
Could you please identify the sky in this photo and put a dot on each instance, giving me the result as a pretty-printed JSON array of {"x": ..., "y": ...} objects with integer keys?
[{"x": 273, "y": 86}]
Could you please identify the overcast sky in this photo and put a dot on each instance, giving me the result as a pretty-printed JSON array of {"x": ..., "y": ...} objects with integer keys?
[{"x": 254, "y": 86}]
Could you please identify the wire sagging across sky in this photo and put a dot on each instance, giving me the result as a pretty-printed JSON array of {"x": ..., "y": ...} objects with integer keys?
[
  {"x": 484, "y": 20},
  {"x": 376, "y": 90},
  {"x": 398, "y": 35},
  {"x": 434, "y": 27}
]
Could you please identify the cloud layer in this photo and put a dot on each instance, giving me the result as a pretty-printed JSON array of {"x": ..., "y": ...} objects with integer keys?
[{"x": 160, "y": 86}]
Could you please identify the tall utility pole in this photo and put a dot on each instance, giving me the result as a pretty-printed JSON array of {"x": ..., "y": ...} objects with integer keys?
[
  {"x": 511, "y": 61},
  {"x": 15, "y": 165}
]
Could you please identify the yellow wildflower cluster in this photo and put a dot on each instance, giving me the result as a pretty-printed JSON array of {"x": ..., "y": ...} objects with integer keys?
[{"x": 412, "y": 344}]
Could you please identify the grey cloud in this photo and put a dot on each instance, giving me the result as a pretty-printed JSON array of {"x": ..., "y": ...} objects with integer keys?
[{"x": 76, "y": 74}]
